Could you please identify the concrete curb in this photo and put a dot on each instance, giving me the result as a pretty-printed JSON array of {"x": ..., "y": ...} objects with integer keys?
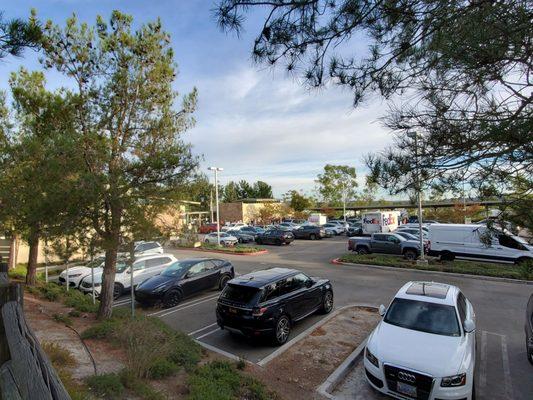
[
  {"x": 257, "y": 253},
  {"x": 482, "y": 277},
  {"x": 337, "y": 376}
]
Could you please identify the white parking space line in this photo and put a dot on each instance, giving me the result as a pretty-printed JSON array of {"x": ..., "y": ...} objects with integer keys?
[
  {"x": 506, "y": 369},
  {"x": 201, "y": 329},
  {"x": 121, "y": 303},
  {"x": 208, "y": 333},
  {"x": 164, "y": 311},
  {"x": 483, "y": 359},
  {"x": 187, "y": 306}
]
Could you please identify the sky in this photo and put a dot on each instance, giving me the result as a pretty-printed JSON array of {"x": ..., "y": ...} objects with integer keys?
[{"x": 256, "y": 122}]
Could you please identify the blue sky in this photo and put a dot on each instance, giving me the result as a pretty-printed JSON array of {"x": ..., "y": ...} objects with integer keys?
[{"x": 255, "y": 122}]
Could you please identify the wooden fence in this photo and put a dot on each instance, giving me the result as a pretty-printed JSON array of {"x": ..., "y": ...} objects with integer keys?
[{"x": 25, "y": 371}]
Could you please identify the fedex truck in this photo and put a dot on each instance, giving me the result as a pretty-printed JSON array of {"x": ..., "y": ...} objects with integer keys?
[
  {"x": 380, "y": 222},
  {"x": 317, "y": 219}
]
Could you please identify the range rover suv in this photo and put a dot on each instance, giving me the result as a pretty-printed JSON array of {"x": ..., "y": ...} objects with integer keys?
[{"x": 269, "y": 302}]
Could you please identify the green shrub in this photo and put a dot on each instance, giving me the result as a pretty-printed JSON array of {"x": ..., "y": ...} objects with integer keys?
[
  {"x": 185, "y": 352},
  {"x": 76, "y": 390},
  {"x": 80, "y": 301},
  {"x": 102, "y": 330},
  {"x": 241, "y": 364},
  {"x": 109, "y": 386},
  {"x": 526, "y": 270},
  {"x": 18, "y": 273},
  {"x": 139, "y": 387},
  {"x": 220, "y": 380},
  {"x": 162, "y": 368},
  {"x": 51, "y": 291},
  {"x": 74, "y": 313},
  {"x": 62, "y": 318},
  {"x": 59, "y": 356}
]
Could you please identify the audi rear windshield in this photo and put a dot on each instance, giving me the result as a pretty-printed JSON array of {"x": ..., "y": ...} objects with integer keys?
[
  {"x": 240, "y": 294},
  {"x": 439, "y": 319}
]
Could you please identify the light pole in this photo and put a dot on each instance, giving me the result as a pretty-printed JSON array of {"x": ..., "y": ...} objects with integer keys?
[
  {"x": 414, "y": 135},
  {"x": 344, "y": 202},
  {"x": 217, "y": 169}
]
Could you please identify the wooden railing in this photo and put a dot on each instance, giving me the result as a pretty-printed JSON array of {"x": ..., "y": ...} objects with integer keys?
[{"x": 25, "y": 371}]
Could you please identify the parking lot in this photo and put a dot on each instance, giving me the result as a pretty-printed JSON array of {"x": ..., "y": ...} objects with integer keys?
[{"x": 502, "y": 368}]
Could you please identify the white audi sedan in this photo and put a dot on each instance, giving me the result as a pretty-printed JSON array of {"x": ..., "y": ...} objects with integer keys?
[{"x": 425, "y": 345}]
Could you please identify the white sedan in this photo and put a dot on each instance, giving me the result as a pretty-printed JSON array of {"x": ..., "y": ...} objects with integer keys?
[
  {"x": 76, "y": 274},
  {"x": 425, "y": 345},
  {"x": 225, "y": 239}
]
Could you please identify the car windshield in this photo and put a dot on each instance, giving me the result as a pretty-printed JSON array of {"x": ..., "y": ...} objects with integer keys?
[
  {"x": 239, "y": 293},
  {"x": 122, "y": 266},
  {"x": 95, "y": 263},
  {"x": 178, "y": 268},
  {"x": 439, "y": 319}
]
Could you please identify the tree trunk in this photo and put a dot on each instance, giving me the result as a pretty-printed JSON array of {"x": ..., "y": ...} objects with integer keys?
[
  {"x": 108, "y": 280},
  {"x": 33, "y": 242}
]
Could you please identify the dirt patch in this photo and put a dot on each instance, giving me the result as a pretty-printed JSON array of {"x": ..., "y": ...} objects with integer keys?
[
  {"x": 39, "y": 315},
  {"x": 297, "y": 372}
]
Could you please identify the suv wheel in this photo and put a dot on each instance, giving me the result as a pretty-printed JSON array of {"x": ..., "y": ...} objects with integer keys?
[
  {"x": 283, "y": 330},
  {"x": 447, "y": 256},
  {"x": 117, "y": 290},
  {"x": 361, "y": 250},
  {"x": 223, "y": 281},
  {"x": 410, "y": 254},
  {"x": 278, "y": 242},
  {"x": 312, "y": 236},
  {"x": 327, "y": 303},
  {"x": 172, "y": 298}
]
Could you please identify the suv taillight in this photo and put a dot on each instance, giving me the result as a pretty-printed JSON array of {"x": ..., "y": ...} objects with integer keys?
[{"x": 259, "y": 311}]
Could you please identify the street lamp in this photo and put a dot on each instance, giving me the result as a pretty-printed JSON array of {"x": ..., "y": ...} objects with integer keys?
[
  {"x": 415, "y": 135},
  {"x": 217, "y": 169}
]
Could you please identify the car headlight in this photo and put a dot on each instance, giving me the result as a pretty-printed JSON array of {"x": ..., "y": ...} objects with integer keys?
[
  {"x": 372, "y": 358},
  {"x": 454, "y": 380}
]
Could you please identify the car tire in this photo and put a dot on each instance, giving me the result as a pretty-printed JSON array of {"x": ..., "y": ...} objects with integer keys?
[
  {"x": 118, "y": 289},
  {"x": 312, "y": 236},
  {"x": 523, "y": 260},
  {"x": 327, "y": 303},
  {"x": 278, "y": 242},
  {"x": 447, "y": 256},
  {"x": 172, "y": 298},
  {"x": 258, "y": 241},
  {"x": 239, "y": 240},
  {"x": 362, "y": 250},
  {"x": 410, "y": 254},
  {"x": 529, "y": 354},
  {"x": 224, "y": 279},
  {"x": 206, "y": 241},
  {"x": 282, "y": 330}
]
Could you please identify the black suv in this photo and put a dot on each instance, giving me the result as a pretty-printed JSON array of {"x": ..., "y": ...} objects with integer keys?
[
  {"x": 529, "y": 330},
  {"x": 269, "y": 302},
  {"x": 309, "y": 232},
  {"x": 275, "y": 236}
]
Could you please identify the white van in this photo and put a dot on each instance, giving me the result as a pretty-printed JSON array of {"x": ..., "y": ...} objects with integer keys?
[
  {"x": 465, "y": 241},
  {"x": 143, "y": 268}
]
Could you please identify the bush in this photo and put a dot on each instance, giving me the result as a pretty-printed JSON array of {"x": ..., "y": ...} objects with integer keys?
[
  {"x": 241, "y": 364},
  {"x": 80, "y": 301},
  {"x": 162, "y": 368},
  {"x": 62, "y": 318},
  {"x": 109, "y": 386},
  {"x": 51, "y": 291},
  {"x": 526, "y": 270},
  {"x": 74, "y": 313},
  {"x": 220, "y": 380},
  {"x": 102, "y": 330},
  {"x": 59, "y": 356},
  {"x": 139, "y": 387},
  {"x": 19, "y": 272},
  {"x": 185, "y": 352}
]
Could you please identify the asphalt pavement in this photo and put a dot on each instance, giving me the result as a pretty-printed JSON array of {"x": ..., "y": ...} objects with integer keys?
[{"x": 502, "y": 368}]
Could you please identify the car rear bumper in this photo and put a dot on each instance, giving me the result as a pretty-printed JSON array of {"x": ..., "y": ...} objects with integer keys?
[{"x": 248, "y": 326}]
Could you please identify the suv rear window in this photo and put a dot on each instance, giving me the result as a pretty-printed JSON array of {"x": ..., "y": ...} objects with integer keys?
[{"x": 239, "y": 293}]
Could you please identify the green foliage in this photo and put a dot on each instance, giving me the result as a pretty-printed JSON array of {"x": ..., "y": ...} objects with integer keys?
[
  {"x": 337, "y": 183},
  {"x": 220, "y": 380},
  {"x": 79, "y": 301},
  {"x": 162, "y": 368},
  {"x": 526, "y": 270},
  {"x": 298, "y": 202},
  {"x": 101, "y": 330},
  {"x": 139, "y": 387},
  {"x": 458, "y": 266},
  {"x": 62, "y": 318},
  {"x": 51, "y": 291},
  {"x": 74, "y": 313},
  {"x": 241, "y": 364},
  {"x": 109, "y": 386},
  {"x": 235, "y": 249},
  {"x": 244, "y": 190},
  {"x": 58, "y": 356},
  {"x": 17, "y": 34}
]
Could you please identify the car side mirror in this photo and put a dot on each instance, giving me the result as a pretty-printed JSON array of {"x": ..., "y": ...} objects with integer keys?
[
  {"x": 310, "y": 283},
  {"x": 469, "y": 326},
  {"x": 382, "y": 310}
]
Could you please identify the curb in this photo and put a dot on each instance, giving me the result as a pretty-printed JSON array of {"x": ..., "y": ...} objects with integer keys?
[
  {"x": 263, "y": 362},
  {"x": 336, "y": 261},
  {"x": 257, "y": 253}
]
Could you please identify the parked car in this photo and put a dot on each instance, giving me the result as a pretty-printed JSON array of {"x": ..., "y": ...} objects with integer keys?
[
  {"x": 344, "y": 225},
  {"x": 275, "y": 236},
  {"x": 269, "y": 302},
  {"x": 252, "y": 230},
  {"x": 242, "y": 237},
  {"x": 477, "y": 242},
  {"x": 76, "y": 274},
  {"x": 309, "y": 232},
  {"x": 355, "y": 229},
  {"x": 388, "y": 243},
  {"x": 288, "y": 226},
  {"x": 529, "y": 330},
  {"x": 226, "y": 239},
  {"x": 207, "y": 228},
  {"x": 413, "y": 231},
  {"x": 425, "y": 345},
  {"x": 335, "y": 228},
  {"x": 146, "y": 248},
  {"x": 143, "y": 268},
  {"x": 184, "y": 278},
  {"x": 236, "y": 225}
]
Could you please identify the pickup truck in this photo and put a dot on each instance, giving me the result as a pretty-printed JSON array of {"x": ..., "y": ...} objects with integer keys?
[{"x": 388, "y": 243}]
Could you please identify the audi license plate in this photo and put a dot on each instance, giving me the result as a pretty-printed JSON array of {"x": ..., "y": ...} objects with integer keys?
[{"x": 406, "y": 389}]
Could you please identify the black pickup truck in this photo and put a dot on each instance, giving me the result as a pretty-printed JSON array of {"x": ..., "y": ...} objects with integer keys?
[{"x": 388, "y": 243}]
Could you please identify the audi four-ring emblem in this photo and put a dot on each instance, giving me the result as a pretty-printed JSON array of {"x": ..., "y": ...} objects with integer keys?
[{"x": 404, "y": 376}]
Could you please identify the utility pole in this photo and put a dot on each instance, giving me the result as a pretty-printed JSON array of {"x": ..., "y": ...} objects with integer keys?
[
  {"x": 414, "y": 135},
  {"x": 217, "y": 169},
  {"x": 211, "y": 205}
]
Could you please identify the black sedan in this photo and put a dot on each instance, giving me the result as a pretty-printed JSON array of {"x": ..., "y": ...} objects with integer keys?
[
  {"x": 269, "y": 302},
  {"x": 183, "y": 279},
  {"x": 529, "y": 330},
  {"x": 275, "y": 236}
]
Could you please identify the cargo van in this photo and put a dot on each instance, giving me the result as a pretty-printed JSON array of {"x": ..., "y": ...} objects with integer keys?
[
  {"x": 477, "y": 242},
  {"x": 380, "y": 222}
]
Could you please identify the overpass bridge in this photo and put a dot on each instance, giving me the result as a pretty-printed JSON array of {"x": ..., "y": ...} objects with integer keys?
[{"x": 428, "y": 204}]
